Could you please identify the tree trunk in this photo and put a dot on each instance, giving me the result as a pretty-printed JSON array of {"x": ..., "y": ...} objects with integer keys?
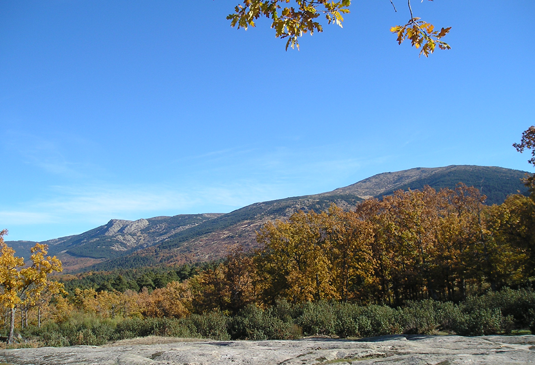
[
  {"x": 11, "y": 327},
  {"x": 39, "y": 316}
]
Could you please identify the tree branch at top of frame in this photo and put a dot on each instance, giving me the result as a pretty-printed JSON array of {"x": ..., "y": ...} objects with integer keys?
[{"x": 292, "y": 19}]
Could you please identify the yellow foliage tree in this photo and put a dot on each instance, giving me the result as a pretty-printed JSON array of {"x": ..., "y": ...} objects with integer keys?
[
  {"x": 294, "y": 264},
  {"x": 350, "y": 252},
  {"x": 172, "y": 301},
  {"x": 24, "y": 285},
  {"x": 39, "y": 288},
  {"x": 105, "y": 304}
]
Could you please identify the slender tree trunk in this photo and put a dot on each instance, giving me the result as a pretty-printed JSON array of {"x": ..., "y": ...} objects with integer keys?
[
  {"x": 11, "y": 327},
  {"x": 39, "y": 316}
]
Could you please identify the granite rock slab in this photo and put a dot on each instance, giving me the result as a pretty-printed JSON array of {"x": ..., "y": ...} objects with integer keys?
[{"x": 399, "y": 349}]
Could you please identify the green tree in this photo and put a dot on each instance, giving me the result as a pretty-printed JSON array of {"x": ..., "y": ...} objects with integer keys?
[
  {"x": 145, "y": 281},
  {"x": 120, "y": 284},
  {"x": 292, "y": 19}
]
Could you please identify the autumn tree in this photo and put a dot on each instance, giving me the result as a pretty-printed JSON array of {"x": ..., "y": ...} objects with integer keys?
[
  {"x": 40, "y": 289},
  {"x": 510, "y": 228},
  {"x": 11, "y": 281},
  {"x": 466, "y": 238},
  {"x": 173, "y": 301},
  {"x": 350, "y": 252},
  {"x": 293, "y": 264},
  {"x": 372, "y": 211},
  {"x": 24, "y": 285},
  {"x": 292, "y": 19},
  {"x": 240, "y": 277},
  {"x": 311, "y": 257},
  {"x": 528, "y": 143},
  {"x": 228, "y": 287},
  {"x": 410, "y": 219}
]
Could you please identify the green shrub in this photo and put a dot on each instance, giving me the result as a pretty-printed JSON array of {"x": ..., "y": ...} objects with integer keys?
[
  {"x": 317, "y": 319},
  {"x": 135, "y": 327},
  {"x": 508, "y": 324},
  {"x": 172, "y": 327},
  {"x": 427, "y": 316},
  {"x": 285, "y": 311},
  {"x": 347, "y": 320},
  {"x": 210, "y": 325},
  {"x": 54, "y": 339},
  {"x": 478, "y": 322},
  {"x": 77, "y": 330},
  {"x": 492, "y": 313},
  {"x": 252, "y": 323},
  {"x": 515, "y": 303},
  {"x": 531, "y": 320},
  {"x": 181, "y": 328},
  {"x": 378, "y": 320}
]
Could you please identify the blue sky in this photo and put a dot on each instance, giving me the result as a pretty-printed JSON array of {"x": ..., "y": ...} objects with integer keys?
[{"x": 135, "y": 109}]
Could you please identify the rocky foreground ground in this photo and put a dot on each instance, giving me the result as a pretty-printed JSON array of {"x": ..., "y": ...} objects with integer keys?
[{"x": 401, "y": 349}]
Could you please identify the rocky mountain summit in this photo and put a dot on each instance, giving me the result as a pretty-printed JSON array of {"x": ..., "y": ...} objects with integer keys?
[{"x": 117, "y": 237}]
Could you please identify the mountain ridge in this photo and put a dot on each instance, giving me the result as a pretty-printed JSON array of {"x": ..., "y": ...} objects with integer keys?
[{"x": 204, "y": 237}]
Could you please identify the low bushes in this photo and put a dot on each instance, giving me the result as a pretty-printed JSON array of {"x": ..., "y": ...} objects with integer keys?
[
  {"x": 493, "y": 313},
  {"x": 212, "y": 325},
  {"x": 79, "y": 329}
]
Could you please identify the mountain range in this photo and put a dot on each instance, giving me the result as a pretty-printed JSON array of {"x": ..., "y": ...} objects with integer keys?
[{"x": 205, "y": 237}]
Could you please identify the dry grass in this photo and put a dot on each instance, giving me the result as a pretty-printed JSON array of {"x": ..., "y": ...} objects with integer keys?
[
  {"x": 150, "y": 340},
  {"x": 21, "y": 345}
]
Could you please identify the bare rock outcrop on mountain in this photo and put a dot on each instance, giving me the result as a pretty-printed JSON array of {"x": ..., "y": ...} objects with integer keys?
[{"x": 400, "y": 349}]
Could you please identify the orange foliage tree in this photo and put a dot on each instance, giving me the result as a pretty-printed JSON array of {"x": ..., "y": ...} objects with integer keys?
[{"x": 228, "y": 287}]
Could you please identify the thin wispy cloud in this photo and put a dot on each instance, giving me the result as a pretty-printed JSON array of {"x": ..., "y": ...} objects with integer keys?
[
  {"x": 217, "y": 155},
  {"x": 241, "y": 193},
  {"x": 42, "y": 153},
  {"x": 116, "y": 200},
  {"x": 15, "y": 218}
]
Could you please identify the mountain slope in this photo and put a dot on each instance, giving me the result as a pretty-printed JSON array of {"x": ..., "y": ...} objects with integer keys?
[
  {"x": 117, "y": 237},
  {"x": 494, "y": 182},
  {"x": 203, "y": 237},
  {"x": 211, "y": 239}
]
